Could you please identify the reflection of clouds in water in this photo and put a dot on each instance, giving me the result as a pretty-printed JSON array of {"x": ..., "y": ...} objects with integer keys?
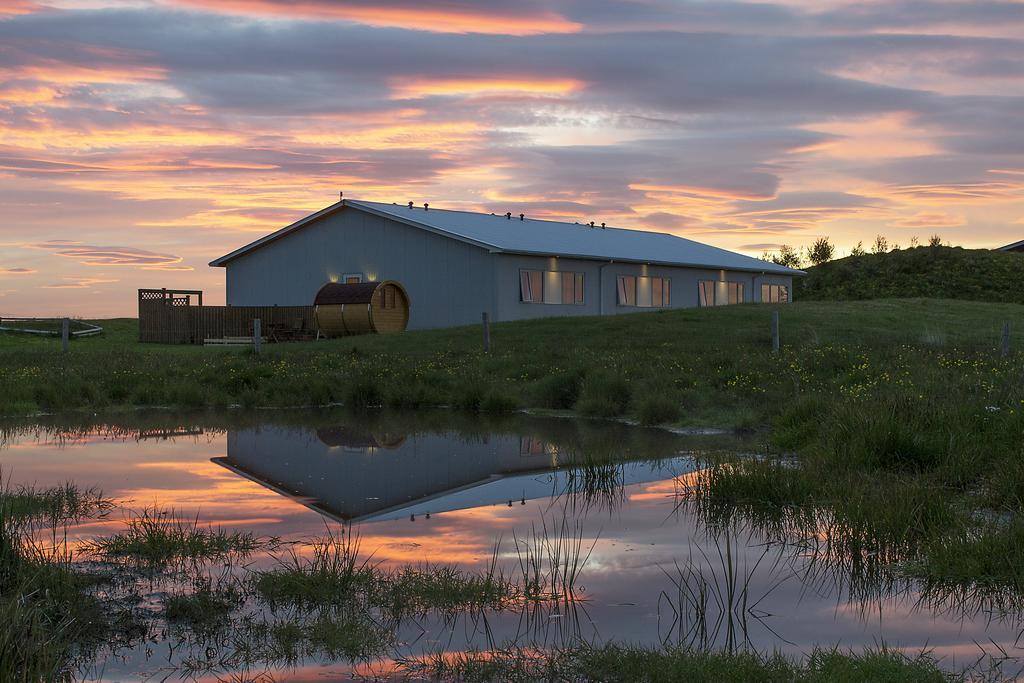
[{"x": 635, "y": 541}]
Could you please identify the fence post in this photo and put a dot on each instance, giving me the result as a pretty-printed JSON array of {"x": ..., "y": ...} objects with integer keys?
[
  {"x": 487, "y": 332},
  {"x": 1006, "y": 339},
  {"x": 775, "y": 331},
  {"x": 65, "y": 334},
  {"x": 257, "y": 335}
]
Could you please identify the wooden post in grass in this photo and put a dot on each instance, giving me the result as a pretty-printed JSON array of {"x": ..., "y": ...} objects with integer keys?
[
  {"x": 487, "y": 332},
  {"x": 257, "y": 335},
  {"x": 1005, "y": 346},
  {"x": 775, "y": 331},
  {"x": 65, "y": 334}
]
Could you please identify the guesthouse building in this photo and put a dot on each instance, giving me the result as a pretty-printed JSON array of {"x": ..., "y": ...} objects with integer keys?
[{"x": 456, "y": 265}]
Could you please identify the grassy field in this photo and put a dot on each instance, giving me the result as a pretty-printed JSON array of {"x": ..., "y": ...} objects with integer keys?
[{"x": 696, "y": 367}]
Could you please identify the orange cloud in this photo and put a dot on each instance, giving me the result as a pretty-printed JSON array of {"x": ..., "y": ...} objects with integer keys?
[
  {"x": 437, "y": 17},
  {"x": 882, "y": 137},
  {"x": 406, "y": 88},
  {"x": 12, "y": 7}
]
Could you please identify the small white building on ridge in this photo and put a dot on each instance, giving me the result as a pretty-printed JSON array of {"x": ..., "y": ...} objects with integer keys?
[{"x": 456, "y": 265}]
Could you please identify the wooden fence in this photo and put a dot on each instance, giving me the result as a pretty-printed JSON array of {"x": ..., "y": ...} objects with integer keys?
[{"x": 165, "y": 317}]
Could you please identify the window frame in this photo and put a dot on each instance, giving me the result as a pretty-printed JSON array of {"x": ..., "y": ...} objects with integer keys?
[
  {"x": 533, "y": 287},
  {"x": 777, "y": 293}
]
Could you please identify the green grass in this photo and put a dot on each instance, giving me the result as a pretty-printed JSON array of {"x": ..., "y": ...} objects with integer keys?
[
  {"x": 48, "y": 613},
  {"x": 158, "y": 537},
  {"x": 334, "y": 574},
  {"x": 626, "y": 663},
  {"x": 55, "y": 504},
  {"x": 331, "y": 574},
  {"x": 707, "y": 365},
  {"x": 937, "y": 272}
]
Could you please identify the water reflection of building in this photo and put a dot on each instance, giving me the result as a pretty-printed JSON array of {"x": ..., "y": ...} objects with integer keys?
[{"x": 354, "y": 473}]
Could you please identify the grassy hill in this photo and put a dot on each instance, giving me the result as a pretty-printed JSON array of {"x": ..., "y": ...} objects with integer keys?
[{"x": 932, "y": 272}]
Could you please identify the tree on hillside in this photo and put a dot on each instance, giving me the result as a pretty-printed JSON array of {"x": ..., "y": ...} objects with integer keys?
[
  {"x": 821, "y": 251},
  {"x": 787, "y": 256},
  {"x": 858, "y": 250},
  {"x": 934, "y": 241},
  {"x": 880, "y": 246}
]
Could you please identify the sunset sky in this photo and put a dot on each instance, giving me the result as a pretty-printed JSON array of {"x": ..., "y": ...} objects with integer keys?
[{"x": 140, "y": 139}]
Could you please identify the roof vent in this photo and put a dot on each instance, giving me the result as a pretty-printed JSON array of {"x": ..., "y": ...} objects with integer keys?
[
  {"x": 410, "y": 205},
  {"x": 341, "y": 194},
  {"x": 508, "y": 215},
  {"x": 426, "y": 206},
  {"x": 522, "y": 216}
]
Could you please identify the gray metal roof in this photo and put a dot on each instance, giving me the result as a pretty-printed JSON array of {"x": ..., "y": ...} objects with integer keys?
[{"x": 545, "y": 238}]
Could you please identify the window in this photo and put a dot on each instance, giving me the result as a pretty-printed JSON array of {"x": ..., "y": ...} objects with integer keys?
[
  {"x": 715, "y": 293},
  {"x": 627, "y": 290},
  {"x": 774, "y": 294},
  {"x": 530, "y": 288},
  {"x": 706, "y": 290},
  {"x": 735, "y": 292},
  {"x": 645, "y": 292},
  {"x": 550, "y": 287},
  {"x": 572, "y": 288},
  {"x": 352, "y": 278}
]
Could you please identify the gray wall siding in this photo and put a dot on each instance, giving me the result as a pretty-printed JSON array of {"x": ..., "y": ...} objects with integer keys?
[
  {"x": 449, "y": 282},
  {"x": 600, "y": 278}
]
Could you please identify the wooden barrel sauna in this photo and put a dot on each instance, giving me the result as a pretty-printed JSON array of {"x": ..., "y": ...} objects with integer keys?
[{"x": 342, "y": 309}]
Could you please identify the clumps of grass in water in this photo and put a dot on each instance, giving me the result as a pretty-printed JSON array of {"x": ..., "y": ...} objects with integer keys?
[
  {"x": 347, "y": 633},
  {"x": 416, "y": 590},
  {"x": 330, "y": 575},
  {"x": 749, "y": 487},
  {"x": 712, "y": 607},
  {"x": 47, "y": 613},
  {"x": 363, "y": 393},
  {"x": 159, "y": 538},
  {"x": 559, "y": 391},
  {"x": 551, "y": 560},
  {"x": 595, "y": 484},
  {"x": 206, "y": 607},
  {"x": 604, "y": 394},
  {"x": 982, "y": 564},
  {"x": 655, "y": 409},
  {"x": 474, "y": 396},
  {"x": 334, "y": 574},
  {"x": 634, "y": 663},
  {"x": 56, "y": 504}
]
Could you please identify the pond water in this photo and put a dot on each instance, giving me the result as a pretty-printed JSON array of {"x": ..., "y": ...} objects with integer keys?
[{"x": 437, "y": 488}]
